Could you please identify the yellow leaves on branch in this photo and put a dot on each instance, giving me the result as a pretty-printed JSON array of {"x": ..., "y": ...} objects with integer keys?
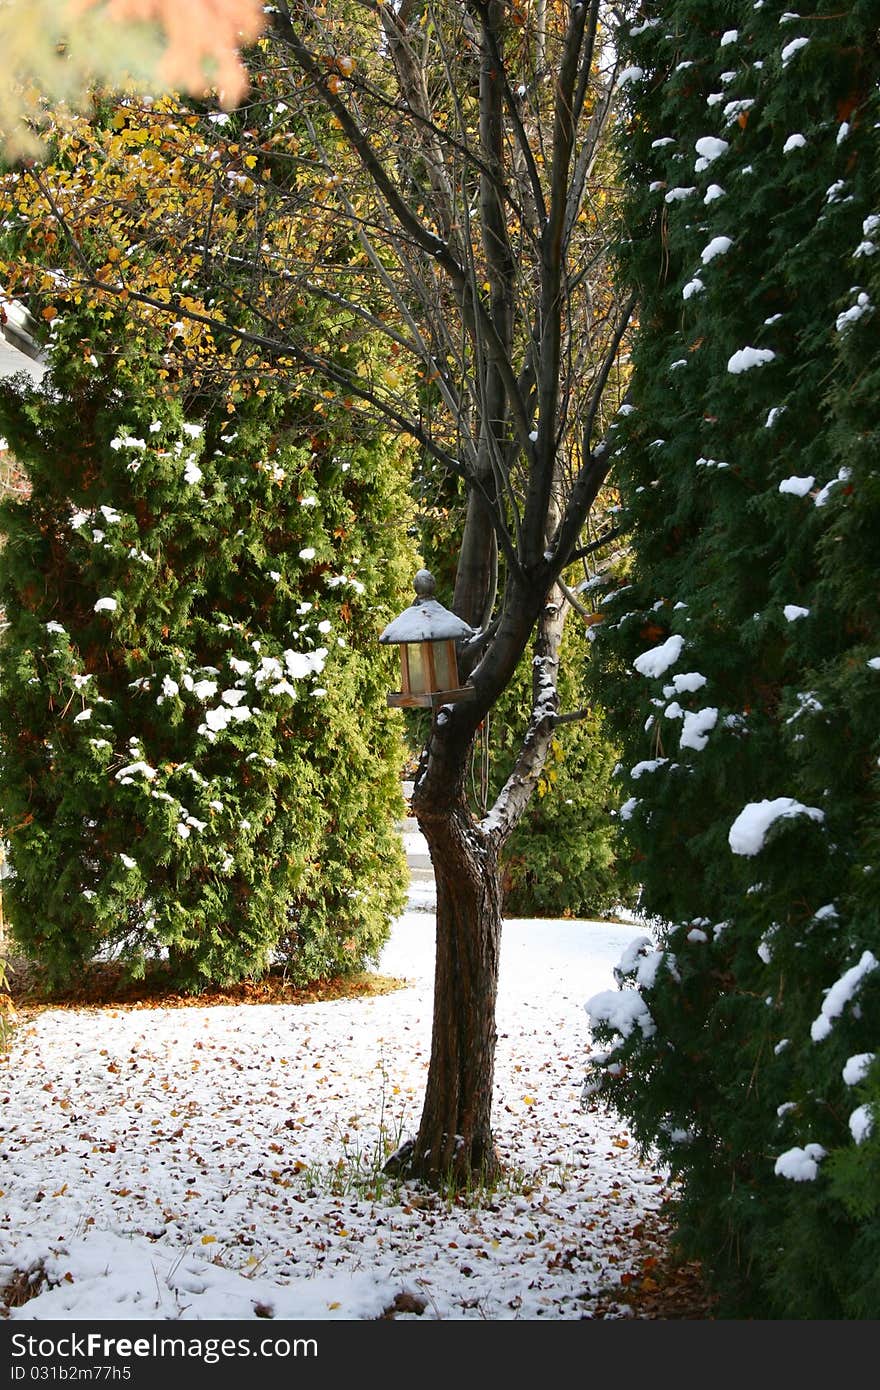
[
  {"x": 129, "y": 182},
  {"x": 54, "y": 51}
]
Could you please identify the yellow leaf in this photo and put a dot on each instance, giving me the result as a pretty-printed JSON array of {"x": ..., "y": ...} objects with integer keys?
[
  {"x": 334, "y": 1305},
  {"x": 208, "y": 1240},
  {"x": 528, "y": 1100}
]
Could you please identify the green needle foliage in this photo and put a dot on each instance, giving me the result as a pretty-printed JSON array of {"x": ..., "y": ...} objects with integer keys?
[
  {"x": 740, "y": 661},
  {"x": 197, "y": 760},
  {"x": 562, "y": 858}
]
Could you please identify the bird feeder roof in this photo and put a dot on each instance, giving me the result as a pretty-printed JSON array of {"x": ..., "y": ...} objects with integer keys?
[{"x": 426, "y": 620}]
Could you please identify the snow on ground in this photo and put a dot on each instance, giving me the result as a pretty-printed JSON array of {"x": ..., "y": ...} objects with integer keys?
[{"x": 218, "y": 1163}]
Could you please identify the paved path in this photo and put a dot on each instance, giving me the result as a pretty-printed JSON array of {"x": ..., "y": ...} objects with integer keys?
[{"x": 422, "y": 894}]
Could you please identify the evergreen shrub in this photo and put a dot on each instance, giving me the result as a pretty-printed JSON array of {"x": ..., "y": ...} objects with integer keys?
[
  {"x": 741, "y": 660},
  {"x": 196, "y": 760}
]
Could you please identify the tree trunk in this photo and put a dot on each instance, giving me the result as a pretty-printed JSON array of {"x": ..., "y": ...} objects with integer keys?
[{"x": 454, "y": 1140}]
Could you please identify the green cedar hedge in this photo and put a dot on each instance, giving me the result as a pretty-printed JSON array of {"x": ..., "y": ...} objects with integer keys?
[
  {"x": 562, "y": 858},
  {"x": 740, "y": 660},
  {"x": 196, "y": 759}
]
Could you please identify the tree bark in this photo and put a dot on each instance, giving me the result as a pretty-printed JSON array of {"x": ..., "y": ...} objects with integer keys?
[{"x": 454, "y": 1141}]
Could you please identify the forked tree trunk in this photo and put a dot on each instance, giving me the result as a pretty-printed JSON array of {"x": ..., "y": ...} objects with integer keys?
[
  {"x": 469, "y": 215},
  {"x": 454, "y": 1140}
]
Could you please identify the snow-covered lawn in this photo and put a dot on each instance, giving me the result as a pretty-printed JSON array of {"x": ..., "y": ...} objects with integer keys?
[{"x": 215, "y": 1163}]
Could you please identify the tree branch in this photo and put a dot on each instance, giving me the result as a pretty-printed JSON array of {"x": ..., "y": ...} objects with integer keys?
[{"x": 514, "y": 796}]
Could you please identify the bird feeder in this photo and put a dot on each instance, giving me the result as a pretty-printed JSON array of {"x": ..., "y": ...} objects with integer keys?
[{"x": 426, "y": 633}]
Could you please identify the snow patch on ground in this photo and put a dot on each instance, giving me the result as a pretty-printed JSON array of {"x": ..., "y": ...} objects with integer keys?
[{"x": 199, "y": 1163}]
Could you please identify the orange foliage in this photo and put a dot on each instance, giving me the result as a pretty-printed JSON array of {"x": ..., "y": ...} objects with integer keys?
[{"x": 199, "y": 32}]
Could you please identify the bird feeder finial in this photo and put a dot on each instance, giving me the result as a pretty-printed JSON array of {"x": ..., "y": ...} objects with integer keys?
[{"x": 424, "y": 584}]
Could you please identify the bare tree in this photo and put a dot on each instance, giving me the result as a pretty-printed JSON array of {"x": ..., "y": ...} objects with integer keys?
[{"x": 472, "y": 131}]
